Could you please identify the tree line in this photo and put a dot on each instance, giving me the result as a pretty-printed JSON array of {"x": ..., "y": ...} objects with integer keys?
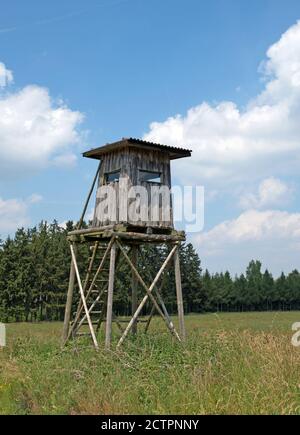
[{"x": 34, "y": 273}]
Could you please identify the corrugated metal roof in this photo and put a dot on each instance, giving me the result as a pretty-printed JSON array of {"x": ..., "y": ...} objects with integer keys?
[{"x": 174, "y": 152}]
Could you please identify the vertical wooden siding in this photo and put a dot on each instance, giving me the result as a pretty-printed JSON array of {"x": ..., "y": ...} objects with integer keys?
[{"x": 129, "y": 161}]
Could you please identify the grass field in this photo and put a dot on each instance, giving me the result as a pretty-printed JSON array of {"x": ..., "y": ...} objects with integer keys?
[{"x": 231, "y": 364}]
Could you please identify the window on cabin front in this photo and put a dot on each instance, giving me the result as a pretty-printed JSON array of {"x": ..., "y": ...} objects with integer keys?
[
  {"x": 150, "y": 177},
  {"x": 112, "y": 177}
]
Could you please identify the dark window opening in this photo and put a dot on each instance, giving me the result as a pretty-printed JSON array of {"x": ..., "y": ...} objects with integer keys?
[
  {"x": 150, "y": 177},
  {"x": 112, "y": 177}
]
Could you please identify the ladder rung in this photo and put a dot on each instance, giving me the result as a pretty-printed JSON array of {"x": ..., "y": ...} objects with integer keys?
[
  {"x": 96, "y": 259},
  {"x": 97, "y": 279},
  {"x": 97, "y": 291},
  {"x": 86, "y": 323},
  {"x": 127, "y": 321}
]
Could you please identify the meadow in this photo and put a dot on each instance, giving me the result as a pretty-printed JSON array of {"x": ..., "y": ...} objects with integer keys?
[{"x": 232, "y": 363}]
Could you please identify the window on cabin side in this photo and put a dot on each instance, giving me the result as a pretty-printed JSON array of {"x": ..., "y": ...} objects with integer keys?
[
  {"x": 112, "y": 177},
  {"x": 150, "y": 177}
]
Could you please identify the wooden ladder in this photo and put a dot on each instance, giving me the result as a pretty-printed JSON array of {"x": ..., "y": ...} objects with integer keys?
[{"x": 95, "y": 291}]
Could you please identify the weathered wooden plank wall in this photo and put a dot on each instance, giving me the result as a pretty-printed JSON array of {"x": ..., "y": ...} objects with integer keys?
[{"x": 130, "y": 161}]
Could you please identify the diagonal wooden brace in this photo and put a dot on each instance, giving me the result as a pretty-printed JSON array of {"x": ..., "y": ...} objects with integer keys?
[
  {"x": 148, "y": 295},
  {"x": 98, "y": 298},
  {"x": 157, "y": 291},
  {"x": 90, "y": 309},
  {"x": 83, "y": 298},
  {"x": 86, "y": 281},
  {"x": 79, "y": 311}
]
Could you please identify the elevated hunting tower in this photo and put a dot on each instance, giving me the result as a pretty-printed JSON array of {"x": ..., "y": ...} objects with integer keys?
[{"x": 133, "y": 208}]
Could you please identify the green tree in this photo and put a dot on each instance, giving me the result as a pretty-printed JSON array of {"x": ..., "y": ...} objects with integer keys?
[{"x": 254, "y": 284}]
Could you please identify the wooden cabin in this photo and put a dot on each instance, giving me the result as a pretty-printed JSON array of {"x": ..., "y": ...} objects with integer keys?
[{"x": 131, "y": 163}]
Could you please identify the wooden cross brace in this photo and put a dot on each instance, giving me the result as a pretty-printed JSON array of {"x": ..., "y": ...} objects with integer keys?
[
  {"x": 163, "y": 312},
  {"x": 87, "y": 291},
  {"x": 158, "y": 303},
  {"x": 83, "y": 298}
]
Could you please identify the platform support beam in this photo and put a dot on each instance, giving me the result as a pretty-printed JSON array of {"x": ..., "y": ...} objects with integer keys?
[
  {"x": 134, "y": 287},
  {"x": 68, "y": 310},
  {"x": 109, "y": 312},
  {"x": 179, "y": 295}
]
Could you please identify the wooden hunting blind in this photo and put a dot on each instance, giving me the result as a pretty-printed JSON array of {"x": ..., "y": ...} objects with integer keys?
[{"x": 130, "y": 170}]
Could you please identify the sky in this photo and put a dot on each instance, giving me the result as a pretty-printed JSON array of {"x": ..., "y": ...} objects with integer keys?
[{"x": 220, "y": 77}]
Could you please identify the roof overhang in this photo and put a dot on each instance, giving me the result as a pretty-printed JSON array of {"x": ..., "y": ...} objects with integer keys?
[{"x": 173, "y": 152}]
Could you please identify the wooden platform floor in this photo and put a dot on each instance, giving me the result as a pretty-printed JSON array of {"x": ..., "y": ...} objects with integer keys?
[{"x": 127, "y": 232}]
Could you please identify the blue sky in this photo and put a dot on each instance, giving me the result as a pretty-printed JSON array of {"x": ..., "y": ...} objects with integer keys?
[{"x": 86, "y": 73}]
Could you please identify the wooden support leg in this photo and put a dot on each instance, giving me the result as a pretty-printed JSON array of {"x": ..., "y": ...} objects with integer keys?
[
  {"x": 102, "y": 316},
  {"x": 179, "y": 295},
  {"x": 110, "y": 296},
  {"x": 69, "y": 302},
  {"x": 134, "y": 286}
]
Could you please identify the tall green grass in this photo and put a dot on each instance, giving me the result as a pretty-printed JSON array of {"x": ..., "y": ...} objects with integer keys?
[{"x": 231, "y": 364}]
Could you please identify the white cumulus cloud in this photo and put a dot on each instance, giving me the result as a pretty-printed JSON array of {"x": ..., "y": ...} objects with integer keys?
[
  {"x": 271, "y": 192},
  {"x": 14, "y": 213},
  {"x": 35, "y": 131},
  {"x": 252, "y": 225},
  {"x": 272, "y": 236},
  {"x": 231, "y": 144},
  {"x": 236, "y": 148}
]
